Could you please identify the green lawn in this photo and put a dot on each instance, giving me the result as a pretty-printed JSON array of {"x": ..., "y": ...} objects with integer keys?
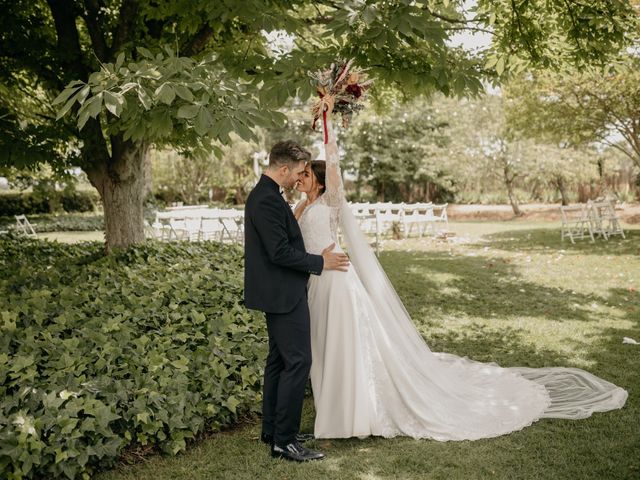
[
  {"x": 73, "y": 237},
  {"x": 507, "y": 292}
]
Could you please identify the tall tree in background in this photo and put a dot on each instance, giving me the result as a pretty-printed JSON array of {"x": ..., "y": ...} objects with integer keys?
[
  {"x": 581, "y": 108},
  {"x": 396, "y": 154},
  {"x": 219, "y": 76},
  {"x": 480, "y": 135}
]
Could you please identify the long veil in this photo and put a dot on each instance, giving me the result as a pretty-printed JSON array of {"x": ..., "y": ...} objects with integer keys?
[{"x": 563, "y": 392}]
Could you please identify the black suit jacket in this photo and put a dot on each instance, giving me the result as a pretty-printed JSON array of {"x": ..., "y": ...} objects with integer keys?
[{"x": 277, "y": 267}]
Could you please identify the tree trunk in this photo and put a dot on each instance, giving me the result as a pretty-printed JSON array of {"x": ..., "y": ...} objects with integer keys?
[
  {"x": 509, "y": 179},
  {"x": 562, "y": 188},
  {"x": 121, "y": 183},
  {"x": 513, "y": 200}
]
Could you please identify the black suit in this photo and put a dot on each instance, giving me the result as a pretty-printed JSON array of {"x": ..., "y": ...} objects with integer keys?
[{"x": 277, "y": 270}]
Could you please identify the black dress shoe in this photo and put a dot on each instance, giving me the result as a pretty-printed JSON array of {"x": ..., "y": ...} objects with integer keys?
[
  {"x": 300, "y": 438},
  {"x": 295, "y": 452}
]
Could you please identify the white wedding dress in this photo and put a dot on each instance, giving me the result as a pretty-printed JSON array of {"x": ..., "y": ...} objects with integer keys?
[{"x": 373, "y": 374}]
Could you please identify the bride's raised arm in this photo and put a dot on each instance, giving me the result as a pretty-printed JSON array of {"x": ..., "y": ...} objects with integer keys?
[{"x": 334, "y": 188}]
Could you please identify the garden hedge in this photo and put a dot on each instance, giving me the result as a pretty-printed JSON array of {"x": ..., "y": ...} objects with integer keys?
[
  {"x": 29, "y": 203},
  {"x": 69, "y": 222},
  {"x": 150, "y": 346}
]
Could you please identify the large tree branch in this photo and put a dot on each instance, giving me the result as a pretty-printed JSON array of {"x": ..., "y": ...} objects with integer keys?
[
  {"x": 126, "y": 22},
  {"x": 91, "y": 17},
  {"x": 619, "y": 122},
  {"x": 198, "y": 42},
  {"x": 68, "y": 47},
  {"x": 446, "y": 18},
  {"x": 574, "y": 22},
  {"x": 469, "y": 28},
  {"x": 516, "y": 16},
  {"x": 94, "y": 149},
  {"x": 634, "y": 158}
]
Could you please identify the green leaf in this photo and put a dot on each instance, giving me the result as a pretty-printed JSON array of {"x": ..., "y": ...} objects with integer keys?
[
  {"x": 244, "y": 132},
  {"x": 183, "y": 92},
  {"x": 65, "y": 94},
  {"x": 113, "y": 102},
  {"x": 119, "y": 61},
  {"x": 491, "y": 61},
  {"x": 84, "y": 93},
  {"x": 67, "y": 106},
  {"x": 203, "y": 121},
  {"x": 369, "y": 14},
  {"x": 94, "y": 105},
  {"x": 78, "y": 97},
  {"x": 145, "y": 53},
  {"x": 143, "y": 417},
  {"x": 83, "y": 117},
  {"x": 188, "y": 111},
  {"x": 232, "y": 403},
  {"x": 405, "y": 28},
  {"x": 198, "y": 317},
  {"x": 162, "y": 124},
  {"x": 144, "y": 98},
  {"x": 221, "y": 129},
  {"x": 165, "y": 93},
  {"x": 500, "y": 66}
]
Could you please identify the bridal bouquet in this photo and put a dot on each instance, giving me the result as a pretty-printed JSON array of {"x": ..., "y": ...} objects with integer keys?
[{"x": 342, "y": 89}]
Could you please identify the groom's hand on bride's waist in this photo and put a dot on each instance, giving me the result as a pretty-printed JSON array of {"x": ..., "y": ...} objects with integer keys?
[{"x": 333, "y": 260}]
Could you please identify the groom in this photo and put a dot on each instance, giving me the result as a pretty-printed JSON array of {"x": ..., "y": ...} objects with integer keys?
[{"x": 277, "y": 269}]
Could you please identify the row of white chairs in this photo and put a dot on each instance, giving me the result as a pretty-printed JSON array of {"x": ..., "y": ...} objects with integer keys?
[
  {"x": 380, "y": 218},
  {"x": 590, "y": 219},
  {"x": 198, "y": 224}
]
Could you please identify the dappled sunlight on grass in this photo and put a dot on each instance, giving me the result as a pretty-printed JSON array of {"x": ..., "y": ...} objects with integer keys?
[
  {"x": 490, "y": 287},
  {"x": 73, "y": 237},
  {"x": 548, "y": 240}
]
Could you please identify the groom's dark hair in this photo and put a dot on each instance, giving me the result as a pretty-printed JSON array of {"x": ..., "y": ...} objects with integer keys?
[{"x": 288, "y": 153}]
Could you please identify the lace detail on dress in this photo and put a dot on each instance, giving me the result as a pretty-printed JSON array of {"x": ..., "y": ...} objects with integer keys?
[
  {"x": 334, "y": 194},
  {"x": 316, "y": 227}
]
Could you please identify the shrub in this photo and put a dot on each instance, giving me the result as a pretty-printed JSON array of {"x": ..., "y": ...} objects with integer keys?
[
  {"x": 59, "y": 223},
  {"x": 77, "y": 201},
  {"x": 30, "y": 203},
  {"x": 150, "y": 346}
]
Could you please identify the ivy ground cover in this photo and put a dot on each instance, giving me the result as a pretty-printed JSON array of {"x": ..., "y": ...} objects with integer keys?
[{"x": 149, "y": 347}]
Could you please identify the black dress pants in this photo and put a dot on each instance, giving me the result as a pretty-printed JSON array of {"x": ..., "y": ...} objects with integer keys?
[{"x": 286, "y": 372}]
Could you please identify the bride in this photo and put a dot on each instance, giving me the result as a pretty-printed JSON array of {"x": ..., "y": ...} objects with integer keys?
[{"x": 373, "y": 374}]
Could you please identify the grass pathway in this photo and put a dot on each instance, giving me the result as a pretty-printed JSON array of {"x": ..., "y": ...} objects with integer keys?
[{"x": 506, "y": 292}]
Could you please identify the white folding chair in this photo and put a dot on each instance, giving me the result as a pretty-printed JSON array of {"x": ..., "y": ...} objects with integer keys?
[
  {"x": 442, "y": 216},
  {"x": 24, "y": 227},
  {"x": 178, "y": 229},
  {"x": 604, "y": 219},
  {"x": 577, "y": 222},
  {"x": 233, "y": 225},
  {"x": 211, "y": 228},
  {"x": 387, "y": 214}
]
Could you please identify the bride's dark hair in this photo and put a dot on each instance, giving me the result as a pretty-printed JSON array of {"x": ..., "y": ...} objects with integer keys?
[{"x": 319, "y": 169}]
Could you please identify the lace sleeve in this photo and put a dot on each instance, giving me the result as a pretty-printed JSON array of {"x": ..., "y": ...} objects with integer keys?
[
  {"x": 334, "y": 194},
  {"x": 335, "y": 189}
]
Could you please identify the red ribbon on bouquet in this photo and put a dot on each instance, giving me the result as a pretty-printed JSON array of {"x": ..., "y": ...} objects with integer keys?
[{"x": 323, "y": 107}]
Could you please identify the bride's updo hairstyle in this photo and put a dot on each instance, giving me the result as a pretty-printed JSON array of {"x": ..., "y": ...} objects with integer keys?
[{"x": 319, "y": 169}]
